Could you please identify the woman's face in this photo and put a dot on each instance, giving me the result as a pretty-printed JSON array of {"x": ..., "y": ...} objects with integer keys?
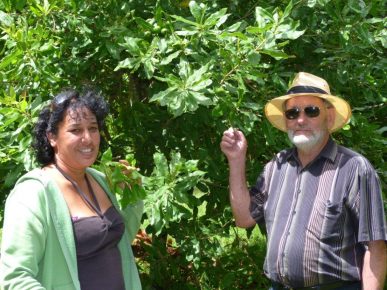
[{"x": 76, "y": 145}]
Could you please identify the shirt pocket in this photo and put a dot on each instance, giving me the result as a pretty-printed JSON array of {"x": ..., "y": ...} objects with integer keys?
[{"x": 333, "y": 222}]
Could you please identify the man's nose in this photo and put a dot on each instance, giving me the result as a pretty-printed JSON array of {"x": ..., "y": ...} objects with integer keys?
[{"x": 301, "y": 118}]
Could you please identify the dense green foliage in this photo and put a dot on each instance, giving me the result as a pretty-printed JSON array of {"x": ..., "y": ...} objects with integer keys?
[{"x": 176, "y": 75}]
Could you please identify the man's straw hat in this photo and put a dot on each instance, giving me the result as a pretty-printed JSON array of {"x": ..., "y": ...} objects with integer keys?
[{"x": 305, "y": 84}]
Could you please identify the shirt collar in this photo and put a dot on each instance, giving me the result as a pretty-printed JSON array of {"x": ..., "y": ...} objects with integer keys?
[{"x": 329, "y": 152}]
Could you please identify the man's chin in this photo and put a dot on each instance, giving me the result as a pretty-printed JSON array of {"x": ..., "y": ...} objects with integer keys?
[
  {"x": 302, "y": 141},
  {"x": 305, "y": 142}
]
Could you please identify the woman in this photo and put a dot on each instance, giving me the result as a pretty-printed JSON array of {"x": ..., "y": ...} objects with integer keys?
[{"x": 62, "y": 226}]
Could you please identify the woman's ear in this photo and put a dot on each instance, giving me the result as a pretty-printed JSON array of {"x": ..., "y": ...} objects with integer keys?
[{"x": 51, "y": 138}]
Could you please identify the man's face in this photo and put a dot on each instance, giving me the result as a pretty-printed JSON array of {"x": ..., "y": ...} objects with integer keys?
[{"x": 310, "y": 126}]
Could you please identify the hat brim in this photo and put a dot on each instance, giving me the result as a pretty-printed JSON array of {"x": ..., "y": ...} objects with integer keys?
[{"x": 275, "y": 114}]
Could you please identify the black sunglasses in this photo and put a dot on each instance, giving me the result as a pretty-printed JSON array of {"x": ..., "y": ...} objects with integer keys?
[
  {"x": 64, "y": 97},
  {"x": 310, "y": 112}
]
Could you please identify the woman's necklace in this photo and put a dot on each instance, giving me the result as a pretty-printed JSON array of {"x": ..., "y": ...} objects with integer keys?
[{"x": 94, "y": 205}]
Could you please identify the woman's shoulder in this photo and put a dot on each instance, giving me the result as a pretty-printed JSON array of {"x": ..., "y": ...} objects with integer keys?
[
  {"x": 30, "y": 188},
  {"x": 96, "y": 173},
  {"x": 35, "y": 177}
]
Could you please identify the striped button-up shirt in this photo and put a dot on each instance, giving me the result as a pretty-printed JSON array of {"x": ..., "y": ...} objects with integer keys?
[{"x": 318, "y": 218}]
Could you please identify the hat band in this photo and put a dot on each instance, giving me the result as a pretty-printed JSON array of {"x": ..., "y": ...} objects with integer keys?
[{"x": 305, "y": 89}]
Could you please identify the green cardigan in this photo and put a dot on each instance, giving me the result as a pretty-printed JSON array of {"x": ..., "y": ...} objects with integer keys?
[{"x": 38, "y": 247}]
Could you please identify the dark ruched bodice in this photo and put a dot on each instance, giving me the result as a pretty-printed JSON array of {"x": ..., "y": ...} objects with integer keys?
[{"x": 98, "y": 256}]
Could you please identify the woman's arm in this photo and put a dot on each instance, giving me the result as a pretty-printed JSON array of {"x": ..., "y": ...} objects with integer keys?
[{"x": 23, "y": 239}]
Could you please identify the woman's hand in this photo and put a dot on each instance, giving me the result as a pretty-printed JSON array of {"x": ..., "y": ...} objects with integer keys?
[{"x": 131, "y": 172}]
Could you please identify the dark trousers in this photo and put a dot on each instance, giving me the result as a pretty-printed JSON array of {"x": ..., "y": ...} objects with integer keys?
[{"x": 353, "y": 286}]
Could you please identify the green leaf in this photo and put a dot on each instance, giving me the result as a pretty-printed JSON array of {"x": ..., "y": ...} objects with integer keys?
[
  {"x": 288, "y": 10},
  {"x": 10, "y": 59},
  {"x": 7, "y": 5},
  {"x": 163, "y": 95},
  {"x": 254, "y": 58},
  {"x": 169, "y": 58},
  {"x": 5, "y": 19},
  {"x": 234, "y": 27},
  {"x": 184, "y": 69},
  {"x": 365, "y": 34},
  {"x": 197, "y": 77},
  {"x": 47, "y": 46},
  {"x": 222, "y": 20},
  {"x": 143, "y": 24},
  {"x": 201, "y": 99},
  {"x": 125, "y": 199},
  {"x": 107, "y": 156},
  {"x": 131, "y": 44},
  {"x": 181, "y": 19},
  {"x": 262, "y": 17},
  {"x": 255, "y": 30},
  {"x": 132, "y": 63},
  {"x": 217, "y": 18},
  {"x": 37, "y": 10},
  {"x": 196, "y": 11},
  {"x": 161, "y": 164},
  {"x": 359, "y": 7},
  {"x": 200, "y": 84},
  {"x": 149, "y": 69},
  {"x": 162, "y": 45},
  {"x": 19, "y": 4},
  {"x": 275, "y": 54},
  {"x": 287, "y": 31},
  {"x": 186, "y": 32},
  {"x": 237, "y": 34},
  {"x": 311, "y": 3},
  {"x": 113, "y": 49}
]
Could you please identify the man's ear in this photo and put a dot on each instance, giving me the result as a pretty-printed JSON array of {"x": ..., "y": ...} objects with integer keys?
[
  {"x": 331, "y": 116},
  {"x": 51, "y": 138}
]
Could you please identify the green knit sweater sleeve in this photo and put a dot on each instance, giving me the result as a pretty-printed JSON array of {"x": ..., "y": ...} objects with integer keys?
[{"x": 24, "y": 237}]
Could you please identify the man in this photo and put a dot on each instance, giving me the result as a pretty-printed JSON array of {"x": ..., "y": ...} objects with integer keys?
[{"x": 320, "y": 203}]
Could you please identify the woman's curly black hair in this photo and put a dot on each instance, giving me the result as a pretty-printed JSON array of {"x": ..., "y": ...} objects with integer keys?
[{"x": 50, "y": 117}]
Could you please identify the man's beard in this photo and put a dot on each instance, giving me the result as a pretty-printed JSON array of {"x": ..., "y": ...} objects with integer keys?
[{"x": 306, "y": 143}]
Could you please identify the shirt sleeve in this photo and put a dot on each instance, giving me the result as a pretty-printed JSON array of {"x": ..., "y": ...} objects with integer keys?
[
  {"x": 367, "y": 204},
  {"x": 258, "y": 195},
  {"x": 23, "y": 238}
]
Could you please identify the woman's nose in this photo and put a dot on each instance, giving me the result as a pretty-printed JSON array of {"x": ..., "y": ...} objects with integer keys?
[{"x": 86, "y": 136}]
